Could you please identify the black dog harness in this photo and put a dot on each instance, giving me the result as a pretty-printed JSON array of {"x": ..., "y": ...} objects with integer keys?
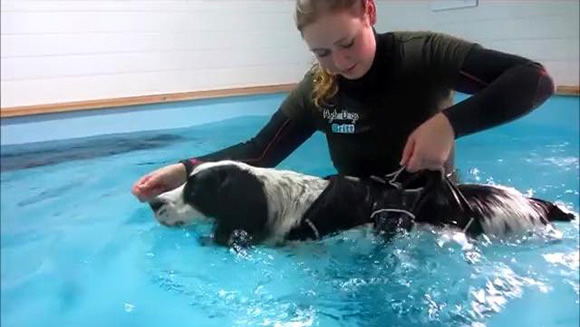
[
  {"x": 390, "y": 203},
  {"x": 346, "y": 202}
]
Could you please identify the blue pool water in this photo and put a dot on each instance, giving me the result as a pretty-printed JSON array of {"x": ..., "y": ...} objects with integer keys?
[{"x": 78, "y": 250}]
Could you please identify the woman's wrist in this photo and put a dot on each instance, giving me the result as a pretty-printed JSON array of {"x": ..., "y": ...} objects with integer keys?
[{"x": 189, "y": 165}]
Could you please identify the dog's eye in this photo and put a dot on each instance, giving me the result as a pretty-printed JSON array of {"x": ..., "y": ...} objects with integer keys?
[{"x": 189, "y": 189}]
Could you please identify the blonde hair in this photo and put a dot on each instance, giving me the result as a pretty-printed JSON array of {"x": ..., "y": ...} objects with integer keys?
[{"x": 307, "y": 12}]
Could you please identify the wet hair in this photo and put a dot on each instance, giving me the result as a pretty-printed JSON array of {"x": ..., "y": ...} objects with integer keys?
[{"x": 307, "y": 12}]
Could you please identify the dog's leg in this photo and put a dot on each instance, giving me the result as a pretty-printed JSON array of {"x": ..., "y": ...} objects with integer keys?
[
  {"x": 389, "y": 222},
  {"x": 229, "y": 236}
]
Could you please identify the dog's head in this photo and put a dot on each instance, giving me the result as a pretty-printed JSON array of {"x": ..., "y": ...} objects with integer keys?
[{"x": 226, "y": 191}]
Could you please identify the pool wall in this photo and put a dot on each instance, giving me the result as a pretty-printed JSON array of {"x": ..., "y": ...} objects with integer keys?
[{"x": 70, "y": 125}]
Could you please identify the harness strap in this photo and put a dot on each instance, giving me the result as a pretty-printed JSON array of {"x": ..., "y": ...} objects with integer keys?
[
  {"x": 392, "y": 210},
  {"x": 313, "y": 227},
  {"x": 462, "y": 202}
]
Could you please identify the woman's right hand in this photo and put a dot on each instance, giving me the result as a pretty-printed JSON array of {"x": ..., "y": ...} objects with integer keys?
[{"x": 159, "y": 181}]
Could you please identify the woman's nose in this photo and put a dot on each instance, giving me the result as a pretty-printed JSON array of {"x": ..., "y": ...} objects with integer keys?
[{"x": 341, "y": 60}]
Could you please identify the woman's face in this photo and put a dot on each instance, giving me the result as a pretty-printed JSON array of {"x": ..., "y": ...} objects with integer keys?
[{"x": 343, "y": 42}]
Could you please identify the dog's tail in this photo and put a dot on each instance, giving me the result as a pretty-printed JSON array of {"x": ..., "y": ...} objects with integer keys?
[{"x": 553, "y": 212}]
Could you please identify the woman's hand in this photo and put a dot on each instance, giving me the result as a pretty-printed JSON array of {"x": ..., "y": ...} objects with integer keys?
[
  {"x": 428, "y": 147},
  {"x": 159, "y": 181}
]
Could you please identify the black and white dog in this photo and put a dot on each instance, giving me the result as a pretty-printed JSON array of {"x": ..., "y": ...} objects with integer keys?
[{"x": 255, "y": 205}]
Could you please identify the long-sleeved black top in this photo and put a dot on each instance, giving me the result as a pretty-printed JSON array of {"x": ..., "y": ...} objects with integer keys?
[{"x": 368, "y": 121}]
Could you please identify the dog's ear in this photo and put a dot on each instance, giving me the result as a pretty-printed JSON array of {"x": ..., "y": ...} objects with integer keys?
[
  {"x": 244, "y": 205},
  {"x": 205, "y": 181},
  {"x": 235, "y": 197}
]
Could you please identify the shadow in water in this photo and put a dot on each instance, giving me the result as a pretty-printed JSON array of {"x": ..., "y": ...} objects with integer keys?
[{"x": 51, "y": 153}]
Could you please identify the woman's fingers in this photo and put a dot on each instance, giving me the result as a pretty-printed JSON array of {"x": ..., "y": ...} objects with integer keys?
[
  {"x": 408, "y": 150},
  {"x": 147, "y": 194},
  {"x": 414, "y": 164},
  {"x": 429, "y": 145},
  {"x": 419, "y": 157},
  {"x": 159, "y": 181},
  {"x": 146, "y": 188}
]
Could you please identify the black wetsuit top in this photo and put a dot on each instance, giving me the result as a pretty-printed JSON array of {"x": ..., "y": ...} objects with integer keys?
[{"x": 368, "y": 121}]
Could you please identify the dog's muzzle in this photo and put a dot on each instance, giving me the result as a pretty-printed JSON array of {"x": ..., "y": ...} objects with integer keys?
[
  {"x": 156, "y": 205},
  {"x": 159, "y": 209}
]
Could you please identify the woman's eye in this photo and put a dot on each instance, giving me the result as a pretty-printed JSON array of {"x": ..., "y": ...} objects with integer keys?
[
  {"x": 346, "y": 46},
  {"x": 321, "y": 54}
]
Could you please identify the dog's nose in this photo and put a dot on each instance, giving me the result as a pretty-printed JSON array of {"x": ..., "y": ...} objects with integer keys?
[{"x": 156, "y": 205}]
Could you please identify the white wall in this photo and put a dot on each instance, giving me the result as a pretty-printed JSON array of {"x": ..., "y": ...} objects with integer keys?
[
  {"x": 544, "y": 30},
  {"x": 59, "y": 51},
  {"x": 71, "y": 50}
]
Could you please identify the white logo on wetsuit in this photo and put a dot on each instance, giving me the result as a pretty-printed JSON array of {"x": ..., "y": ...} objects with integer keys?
[{"x": 341, "y": 115}]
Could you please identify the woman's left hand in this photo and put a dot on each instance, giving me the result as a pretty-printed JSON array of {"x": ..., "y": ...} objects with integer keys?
[{"x": 428, "y": 147}]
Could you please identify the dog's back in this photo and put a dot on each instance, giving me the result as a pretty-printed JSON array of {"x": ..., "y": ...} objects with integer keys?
[{"x": 487, "y": 209}]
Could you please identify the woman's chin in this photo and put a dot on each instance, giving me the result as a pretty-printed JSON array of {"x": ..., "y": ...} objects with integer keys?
[
  {"x": 354, "y": 74},
  {"x": 351, "y": 76}
]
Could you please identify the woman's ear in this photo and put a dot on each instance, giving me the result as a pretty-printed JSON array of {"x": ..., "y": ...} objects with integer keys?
[{"x": 370, "y": 9}]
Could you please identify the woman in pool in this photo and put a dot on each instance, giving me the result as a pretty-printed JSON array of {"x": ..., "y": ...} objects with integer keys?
[{"x": 383, "y": 100}]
